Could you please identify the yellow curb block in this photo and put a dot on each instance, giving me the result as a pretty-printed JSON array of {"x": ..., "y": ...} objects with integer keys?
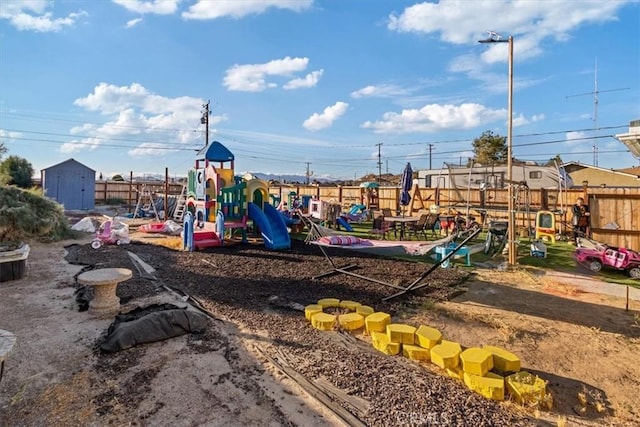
[
  {"x": 365, "y": 310},
  {"x": 491, "y": 386},
  {"x": 428, "y": 337},
  {"x": 329, "y": 302},
  {"x": 312, "y": 309},
  {"x": 381, "y": 343},
  {"x": 526, "y": 388},
  {"x": 503, "y": 360},
  {"x": 476, "y": 361},
  {"x": 414, "y": 352},
  {"x": 401, "y": 333},
  {"x": 350, "y": 305},
  {"x": 323, "y": 321},
  {"x": 446, "y": 354},
  {"x": 377, "y": 322},
  {"x": 351, "y": 321}
]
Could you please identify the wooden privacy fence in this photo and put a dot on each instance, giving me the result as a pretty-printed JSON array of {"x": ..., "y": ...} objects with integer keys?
[
  {"x": 129, "y": 192},
  {"x": 615, "y": 212}
]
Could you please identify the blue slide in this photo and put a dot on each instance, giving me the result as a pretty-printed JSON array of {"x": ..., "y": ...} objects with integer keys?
[
  {"x": 272, "y": 227},
  {"x": 344, "y": 224}
]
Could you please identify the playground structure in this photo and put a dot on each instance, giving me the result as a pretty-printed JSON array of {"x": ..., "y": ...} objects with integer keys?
[{"x": 218, "y": 201}]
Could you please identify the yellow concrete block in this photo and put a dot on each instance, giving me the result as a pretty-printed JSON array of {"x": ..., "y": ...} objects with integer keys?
[
  {"x": 351, "y": 321},
  {"x": 365, "y": 310},
  {"x": 503, "y": 360},
  {"x": 446, "y": 354},
  {"x": 456, "y": 372},
  {"x": 329, "y": 302},
  {"x": 381, "y": 343},
  {"x": 323, "y": 321},
  {"x": 377, "y": 322},
  {"x": 476, "y": 361},
  {"x": 401, "y": 333},
  {"x": 489, "y": 387},
  {"x": 494, "y": 375},
  {"x": 526, "y": 388},
  {"x": 428, "y": 337},
  {"x": 312, "y": 309},
  {"x": 415, "y": 352},
  {"x": 350, "y": 305}
]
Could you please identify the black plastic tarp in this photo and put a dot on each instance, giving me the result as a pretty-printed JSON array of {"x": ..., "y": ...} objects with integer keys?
[{"x": 151, "y": 324}]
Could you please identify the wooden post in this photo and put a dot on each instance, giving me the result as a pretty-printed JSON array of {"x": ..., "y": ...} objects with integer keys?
[
  {"x": 544, "y": 199},
  {"x": 166, "y": 193},
  {"x": 130, "y": 188}
]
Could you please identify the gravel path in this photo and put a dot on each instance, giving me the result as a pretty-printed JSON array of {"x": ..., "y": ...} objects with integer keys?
[{"x": 240, "y": 284}]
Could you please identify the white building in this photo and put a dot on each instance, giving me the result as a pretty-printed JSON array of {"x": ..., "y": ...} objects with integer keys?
[{"x": 496, "y": 177}]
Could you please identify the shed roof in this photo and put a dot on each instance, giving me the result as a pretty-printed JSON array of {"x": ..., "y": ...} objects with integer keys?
[
  {"x": 68, "y": 161},
  {"x": 577, "y": 165}
]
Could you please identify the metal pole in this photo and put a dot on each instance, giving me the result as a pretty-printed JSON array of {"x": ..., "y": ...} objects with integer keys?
[{"x": 513, "y": 247}]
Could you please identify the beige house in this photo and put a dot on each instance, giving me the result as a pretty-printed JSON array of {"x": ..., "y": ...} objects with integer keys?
[{"x": 594, "y": 176}]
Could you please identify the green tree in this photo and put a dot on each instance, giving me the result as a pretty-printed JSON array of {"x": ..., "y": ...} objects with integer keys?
[
  {"x": 117, "y": 178},
  {"x": 18, "y": 170},
  {"x": 490, "y": 148},
  {"x": 4, "y": 178}
]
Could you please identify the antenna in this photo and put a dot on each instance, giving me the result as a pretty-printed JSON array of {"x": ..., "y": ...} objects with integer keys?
[{"x": 594, "y": 117}]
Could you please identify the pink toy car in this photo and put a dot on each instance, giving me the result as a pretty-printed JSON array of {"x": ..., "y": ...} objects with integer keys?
[{"x": 606, "y": 256}]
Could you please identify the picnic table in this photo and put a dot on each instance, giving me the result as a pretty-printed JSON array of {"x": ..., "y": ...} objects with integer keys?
[{"x": 402, "y": 220}]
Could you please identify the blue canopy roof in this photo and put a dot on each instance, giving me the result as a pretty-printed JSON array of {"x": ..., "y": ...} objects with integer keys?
[
  {"x": 369, "y": 184},
  {"x": 216, "y": 152}
]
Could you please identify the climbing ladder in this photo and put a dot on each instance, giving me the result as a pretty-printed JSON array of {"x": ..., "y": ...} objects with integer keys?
[{"x": 181, "y": 205}]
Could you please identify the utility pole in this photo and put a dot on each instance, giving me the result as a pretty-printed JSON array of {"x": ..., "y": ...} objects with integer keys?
[
  {"x": 595, "y": 110},
  {"x": 379, "y": 162},
  {"x": 308, "y": 173},
  {"x": 205, "y": 121},
  {"x": 430, "y": 148}
]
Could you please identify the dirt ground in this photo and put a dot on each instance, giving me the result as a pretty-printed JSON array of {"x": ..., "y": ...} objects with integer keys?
[{"x": 260, "y": 363}]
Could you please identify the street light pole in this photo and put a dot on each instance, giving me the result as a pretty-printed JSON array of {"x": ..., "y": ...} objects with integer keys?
[{"x": 511, "y": 231}]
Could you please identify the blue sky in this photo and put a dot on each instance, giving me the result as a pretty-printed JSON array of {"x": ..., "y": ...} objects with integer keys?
[{"x": 119, "y": 85}]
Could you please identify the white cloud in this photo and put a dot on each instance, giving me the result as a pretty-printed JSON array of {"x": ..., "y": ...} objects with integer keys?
[
  {"x": 80, "y": 145},
  {"x": 32, "y": 15},
  {"x": 462, "y": 21},
  {"x": 158, "y": 7},
  {"x": 521, "y": 120},
  {"x": 532, "y": 23},
  {"x": 147, "y": 149},
  {"x": 435, "y": 117},
  {"x": 207, "y": 9},
  {"x": 329, "y": 115},
  {"x": 381, "y": 91},
  {"x": 577, "y": 139},
  {"x": 252, "y": 77},
  {"x": 136, "y": 115},
  {"x": 5, "y": 134},
  {"x": 132, "y": 23},
  {"x": 310, "y": 80}
]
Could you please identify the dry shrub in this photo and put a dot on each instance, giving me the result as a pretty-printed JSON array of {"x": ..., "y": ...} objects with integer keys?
[{"x": 27, "y": 214}]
